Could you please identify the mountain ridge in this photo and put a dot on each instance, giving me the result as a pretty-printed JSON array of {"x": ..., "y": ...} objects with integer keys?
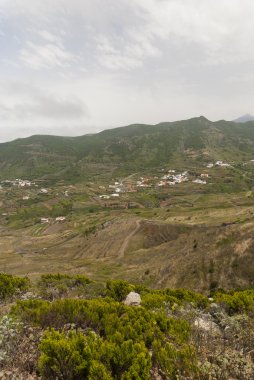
[{"x": 136, "y": 146}]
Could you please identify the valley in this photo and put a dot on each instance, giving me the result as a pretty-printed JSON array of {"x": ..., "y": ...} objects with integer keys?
[
  {"x": 186, "y": 223},
  {"x": 164, "y": 214}
]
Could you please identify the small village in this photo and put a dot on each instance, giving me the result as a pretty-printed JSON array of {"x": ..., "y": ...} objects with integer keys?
[
  {"x": 170, "y": 177},
  {"x": 118, "y": 194}
]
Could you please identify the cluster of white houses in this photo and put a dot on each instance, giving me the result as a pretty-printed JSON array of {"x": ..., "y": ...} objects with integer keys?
[
  {"x": 173, "y": 179},
  {"x": 170, "y": 178},
  {"x": 218, "y": 163},
  {"x": 18, "y": 182}
]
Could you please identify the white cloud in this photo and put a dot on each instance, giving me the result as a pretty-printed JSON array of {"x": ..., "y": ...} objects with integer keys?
[
  {"x": 118, "y": 54},
  {"x": 124, "y": 61},
  {"x": 50, "y": 37},
  {"x": 221, "y": 29},
  {"x": 113, "y": 58},
  {"x": 49, "y": 55},
  {"x": 21, "y": 101}
]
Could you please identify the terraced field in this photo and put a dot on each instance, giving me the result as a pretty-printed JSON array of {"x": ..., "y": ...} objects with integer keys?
[{"x": 200, "y": 248}]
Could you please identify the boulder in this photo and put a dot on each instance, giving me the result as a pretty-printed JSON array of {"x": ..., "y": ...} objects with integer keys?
[{"x": 132, "y": 299}]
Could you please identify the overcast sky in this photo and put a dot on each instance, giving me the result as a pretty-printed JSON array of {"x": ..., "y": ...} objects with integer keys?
[{"x": 71, "y": 67}]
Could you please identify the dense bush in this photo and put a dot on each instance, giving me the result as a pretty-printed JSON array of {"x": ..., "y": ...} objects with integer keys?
[
  {"x": 173, "y": 297},
  {"x": 76, "y": 356},
  {"x": 118, "y": 289},
  {"x": 236, "y": 301},
  {"x": 123, "y": 341},
  {"x": 9, "y": 285}
]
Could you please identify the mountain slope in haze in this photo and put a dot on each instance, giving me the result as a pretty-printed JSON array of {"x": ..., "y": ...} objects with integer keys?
[
  {"x": 244, "y": 119},
  {"x": 133, "y": 147}
]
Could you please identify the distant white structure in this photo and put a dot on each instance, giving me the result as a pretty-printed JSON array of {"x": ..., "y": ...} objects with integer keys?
[
  {"x": 23, "y": 183},
  {"x": 162, "y": 183},
  {"x": 209, "y": 166},
  {"x": 25, "y": 198},
  {"x": 44, "y": 191},
  {"x": 115, "y": 195},
  {"x": 44, "y": 220},
  {"x": 222, "y": 164},
  {"x": 200, "y": 181},
  {"x": 19, "y": 182},
  {"x": 60, "y": 219},
  {"x": 175, "y": 178},
  {"x": 104, "y": 196}
]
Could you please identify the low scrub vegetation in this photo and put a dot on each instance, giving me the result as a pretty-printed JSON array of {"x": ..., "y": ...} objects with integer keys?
[
  {"x": 10, "y": 285},
  {"x": 236, "y": 301},
  {"x": 96, "y": 336},
  {"x": 53, "y": 286}
]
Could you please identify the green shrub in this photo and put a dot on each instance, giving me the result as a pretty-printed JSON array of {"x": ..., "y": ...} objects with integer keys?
[
  {"x": 75, "y": 356},
  {"x": 172, "y": 297},
  {"x": 188, "y": 296},
  {"x": 156, "y": 301},
  {"x": 236, "y": 302},
  {"x": 118, "y": 289},
  {"x": 65, "y": 357},
  {"x": 58, "y": 285},
  {"x": 9, "y": 285}
]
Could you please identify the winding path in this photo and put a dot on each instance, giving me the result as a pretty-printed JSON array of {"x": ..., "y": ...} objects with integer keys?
[{"x": 127, "y": 239}]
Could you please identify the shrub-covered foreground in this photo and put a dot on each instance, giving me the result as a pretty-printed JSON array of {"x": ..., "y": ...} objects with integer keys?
[
  {"x": 111, "y": 339},
  {"x": 174, "y": 334}
]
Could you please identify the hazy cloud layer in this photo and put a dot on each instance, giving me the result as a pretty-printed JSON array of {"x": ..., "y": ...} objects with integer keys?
[{"x": 73, "y": 67}]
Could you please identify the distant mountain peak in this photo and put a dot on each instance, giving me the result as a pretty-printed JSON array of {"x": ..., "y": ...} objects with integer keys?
[{"x": 245, "y": 118}]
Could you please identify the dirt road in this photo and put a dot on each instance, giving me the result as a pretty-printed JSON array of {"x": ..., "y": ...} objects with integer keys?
[{"x": 127, "y": 239}]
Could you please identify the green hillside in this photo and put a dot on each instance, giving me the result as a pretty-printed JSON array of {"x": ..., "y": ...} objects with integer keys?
[{"x": 135, "y": 147}]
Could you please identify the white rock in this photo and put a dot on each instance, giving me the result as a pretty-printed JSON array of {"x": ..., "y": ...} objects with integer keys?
[{"x": 133, "y": 299}]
